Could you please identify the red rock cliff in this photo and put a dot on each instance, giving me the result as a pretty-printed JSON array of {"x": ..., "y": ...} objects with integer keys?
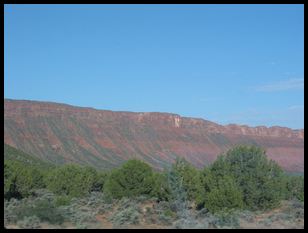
[{"x": 63, "y": 133}]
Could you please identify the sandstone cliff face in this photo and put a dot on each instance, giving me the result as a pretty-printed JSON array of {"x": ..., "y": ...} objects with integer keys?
[{"x": 62, "y": 133}]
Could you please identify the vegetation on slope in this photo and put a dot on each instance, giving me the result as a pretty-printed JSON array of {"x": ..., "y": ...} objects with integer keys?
[
  {"x": 243, "y": 179},
  {"x": 11, "y": 153}
]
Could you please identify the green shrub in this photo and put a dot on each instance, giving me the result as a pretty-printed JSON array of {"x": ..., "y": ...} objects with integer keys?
[
  {"x": 169, "y": 213},
  {"x": 160, "y": 187},
  {"x": 294, "y": 187},
  {"x": 133, "y": 179},
  {"x": 72, "y": 180},
  {"x": 190, "y": 178},
  {"x": 21, "y": 179},
  {"x": 222, "y": 193},
  {"x": 62, "y": 200},
  {"x": 259, "y": 179},
  {"x": 178, "y": 196},
  {"x": 99, "y": 181}
]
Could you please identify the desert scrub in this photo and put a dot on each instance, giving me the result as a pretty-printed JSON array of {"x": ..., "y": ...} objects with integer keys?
[
  {"x": 200, "y": 219},
  {"x": 128, "y": 212},
  {"x": 247, "y": 215},
  {"x": 227, "y": 219},
  {"x": 62, "y": 200},
  {"x": 98, "y": 201},
  {"x": 265, "y": 222},
  {"x": 10, "y": 210},
  {"x": 159, "y": 213},
  {"x": 299, "y": 214},
  {"x": 202, "y": 213},
  {"x": 29, "y": 222},
  {"x": 164, "y": 219},
  {"x": 42, "y": 194},
  {"x": 150, "y": 216},
  {"x": 165, "y": 215},
  {"x": 296, "y": 204},
  {"x": 43, "y": 209},
  {"x": 141, "y": 198},
  {"x": 83, "y": 211},
  {"x": 78, "y": 214},
  {"x": 280, "y": 216},
  {"x": 189, "y": 223},
  {"x": 95, "y": 199},
  {"x": 126, "y": 216},
  {"x": 16, "y": 209},
  {"x": 104, "y": 208},
  {"x": 295, "y": 209},
  {"x": 126, "y": 203},
  {"x": 169, "y": 213}
]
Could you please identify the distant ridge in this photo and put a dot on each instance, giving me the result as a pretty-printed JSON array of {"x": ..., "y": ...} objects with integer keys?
[{"x": 63, "y": 133}]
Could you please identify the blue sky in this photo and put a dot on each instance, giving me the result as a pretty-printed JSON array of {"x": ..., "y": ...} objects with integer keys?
[{"x": 239, "y": 64}]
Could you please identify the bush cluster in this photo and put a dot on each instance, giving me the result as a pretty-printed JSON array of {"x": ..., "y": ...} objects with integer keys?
[
  {"x": 20, "y": 180},
  {"x": 74, "y": 181},
  {"x": 136, "y": 178},
  {"x": 294, "y": 187},
  {"x": 242, "y": 178}
]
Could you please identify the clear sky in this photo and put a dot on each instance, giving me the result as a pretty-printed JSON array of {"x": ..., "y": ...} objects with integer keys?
[{"x": 239, "y": 64}]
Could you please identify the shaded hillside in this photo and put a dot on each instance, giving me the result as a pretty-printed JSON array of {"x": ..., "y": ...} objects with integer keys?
[
  {"x": 62, "y": 133},
  {"x": 11, "y": 153}
]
